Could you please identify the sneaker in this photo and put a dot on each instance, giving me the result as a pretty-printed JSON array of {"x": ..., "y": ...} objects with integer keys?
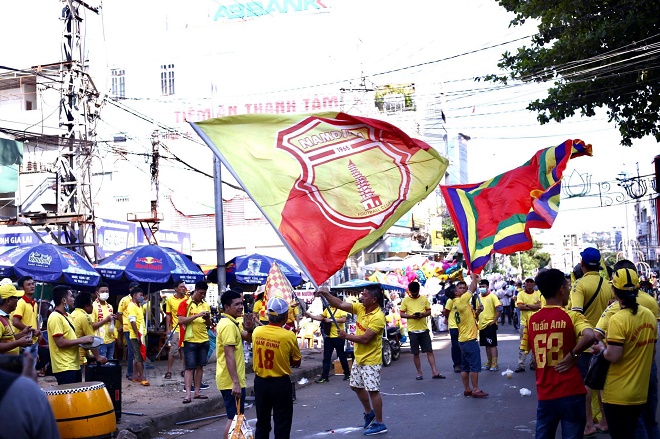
[
  {"x": 494, "y": 368},
  {"x": 369, "y": 418},
  {"x": 519, "y": 369},
  {"x": 203, "y": 386},
  {"x": 485, "y": 366},
  {"x": 375, "y": 428},
  {"x": 321, "y": 380},
  {"x": 347, "y": 377}
]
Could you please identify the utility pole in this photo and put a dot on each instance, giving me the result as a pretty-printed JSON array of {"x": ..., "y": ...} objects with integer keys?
[{"x": 79, "y": 109}]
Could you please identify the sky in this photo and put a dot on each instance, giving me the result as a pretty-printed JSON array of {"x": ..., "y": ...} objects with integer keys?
[{"x": 423, "y": 41}]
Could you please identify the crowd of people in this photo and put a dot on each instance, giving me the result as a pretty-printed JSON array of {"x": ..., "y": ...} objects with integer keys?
[{"x": 566, "y": 324}]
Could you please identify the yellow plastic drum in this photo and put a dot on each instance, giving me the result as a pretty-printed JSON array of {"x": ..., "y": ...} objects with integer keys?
[{"x": 82, "y": 410}]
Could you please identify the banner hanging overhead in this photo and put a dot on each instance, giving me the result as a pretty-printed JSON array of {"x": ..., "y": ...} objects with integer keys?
[{"x": 329, "y": 183}]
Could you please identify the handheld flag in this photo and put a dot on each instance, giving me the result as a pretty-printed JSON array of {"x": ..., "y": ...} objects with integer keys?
[
  {"x": 496, "y": 215},
  {"x": 330, "y": 183}
]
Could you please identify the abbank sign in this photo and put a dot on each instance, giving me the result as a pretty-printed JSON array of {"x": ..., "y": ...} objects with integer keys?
[{"x": 250, "y": 9}]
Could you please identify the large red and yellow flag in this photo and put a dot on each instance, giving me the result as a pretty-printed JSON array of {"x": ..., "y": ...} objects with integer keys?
[
  {"x": 330, "y": 183},
  {"x": 495, "y": 216}
]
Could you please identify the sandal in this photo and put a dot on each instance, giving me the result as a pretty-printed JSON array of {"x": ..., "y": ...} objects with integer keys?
[
  {"x": 419, "y": 377},
  {"x": 168, "y": 376},
  {"x": 145, "y": 383},
  {"x": 467, "y": 393},
  {"x": 186, "y": 401},
  {"x": 439, "y": 377},
  {"x": 200, "y": 397}
]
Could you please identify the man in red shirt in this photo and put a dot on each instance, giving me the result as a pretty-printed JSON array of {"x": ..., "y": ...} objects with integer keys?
[{"x": 552, "y": 334}]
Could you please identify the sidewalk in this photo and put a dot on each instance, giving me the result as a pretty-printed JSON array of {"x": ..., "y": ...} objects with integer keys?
[{"x": 161, "y": 403}]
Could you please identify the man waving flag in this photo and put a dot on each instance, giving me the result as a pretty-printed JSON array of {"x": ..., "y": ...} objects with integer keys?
[
  {"x": 495, "y": 216},
  {"x": 330, "y": 183}
]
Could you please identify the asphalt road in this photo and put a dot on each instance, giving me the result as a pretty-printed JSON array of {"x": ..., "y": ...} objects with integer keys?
[{"x": 427, "y": 408}]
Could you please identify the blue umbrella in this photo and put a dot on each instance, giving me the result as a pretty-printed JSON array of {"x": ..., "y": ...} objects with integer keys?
[
  {"x": 150, "y": 264},
  {"x": 253, "y": 269},
  {"x": 48, "y": 263}
]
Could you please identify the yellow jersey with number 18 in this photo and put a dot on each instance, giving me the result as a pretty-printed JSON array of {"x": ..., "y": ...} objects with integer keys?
[{"x": 274, "y": 348}]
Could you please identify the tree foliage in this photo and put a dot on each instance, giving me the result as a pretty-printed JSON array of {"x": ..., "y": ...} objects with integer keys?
[
  {"x": 449, "y": 234},
  {"x": 598, "y": 53}
]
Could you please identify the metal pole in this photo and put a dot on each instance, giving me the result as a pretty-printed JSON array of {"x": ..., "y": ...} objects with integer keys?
[{"x": 219, "y": 226}]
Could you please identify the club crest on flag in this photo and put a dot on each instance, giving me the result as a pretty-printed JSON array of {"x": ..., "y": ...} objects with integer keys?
[{"x": 331, "y": 150}]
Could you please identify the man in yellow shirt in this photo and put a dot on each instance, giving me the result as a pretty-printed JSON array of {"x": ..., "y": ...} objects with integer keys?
[
  {"x": 82, "y": 323},
  {"x": 124, "y": 327},
  {"x": 27, "y": 314},
  {"x": 62, "y": 340},
  {"x": 10, "y": 341},
  {"x": 490, "y": 311},
  {"x": 331, "y": 341},
  {"x": 172, "y": 324},
  {"x": 528, "y": 302},
  {"x": 137, "y": 331},
  {"x": 230, "y": 365},
  {"x": 275, "y": 351},
  {"x": 467, "y": 339},
  {"x": 365, "y": 375},
  {"x": 416, "y": 309},
  {"x": 195, "y": 315},
  {"x": 103, "y": 321},
  {"x": 450, "y": 292}
]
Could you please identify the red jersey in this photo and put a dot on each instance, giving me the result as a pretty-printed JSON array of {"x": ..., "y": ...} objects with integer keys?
[{"x": 552, "y": 333}]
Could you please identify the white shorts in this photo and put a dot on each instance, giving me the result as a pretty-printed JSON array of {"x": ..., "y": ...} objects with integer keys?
[{"x": 366, "y": 377}]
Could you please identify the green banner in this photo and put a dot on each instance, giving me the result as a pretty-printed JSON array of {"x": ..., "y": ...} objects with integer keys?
[{"x": 11, "y": 156}]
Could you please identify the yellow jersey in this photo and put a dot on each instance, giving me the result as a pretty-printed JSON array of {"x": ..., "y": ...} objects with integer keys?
[
  {"x": 171, "y": 309},
  {"x": 451, "y": 318},
  {"x": 27, "y": 312},
  {"x": 229, "y": 334},
  {"x": 82, "y": 323},
  {"x": 526, "y": 298},
  {"x": 370, "y": 354},
  {"x": 261, "y": 313},
  {"x": 274, "y": 349},
  {"x": 7, "y": 334},
  {"x": 61, "y": 360},
  {"x": 338, "y": 313},
  {"x": 490, "y": 302},
  {"x": 582, "y": 292},
  {"x": 122, "y": 308},
  {"x": 136, "y": 312},
  {"x": 411, "y": 306},
  {"x": 627, "y": 381},
  {"x": 196, "y": 330},
  {"x": 101, "y": 311},
  {"x": 464, "y": 315}
]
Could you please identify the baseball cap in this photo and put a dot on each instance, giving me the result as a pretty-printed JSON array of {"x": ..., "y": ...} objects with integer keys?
[
  {"x": 591, "y": 257},
  {"x": 9, "y": 290},
  {"x": 277, "y": 306},
  {"x": 625, "y": 279},
  {"x": 260, "y": 289},
  {"x": 133, "y": 285}
]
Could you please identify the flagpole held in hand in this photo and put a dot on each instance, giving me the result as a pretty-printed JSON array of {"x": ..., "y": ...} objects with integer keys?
[
  {"x": 326, "y": 305},
  {"x": 169, "y": 339}
]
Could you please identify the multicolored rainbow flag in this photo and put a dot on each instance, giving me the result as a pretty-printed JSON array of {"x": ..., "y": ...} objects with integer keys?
[
  {"x": 330, "y": 183},
  {"x": 495, "y": 216}
]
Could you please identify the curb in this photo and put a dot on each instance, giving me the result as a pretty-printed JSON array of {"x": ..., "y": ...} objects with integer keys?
[{"x": 157, "y": 423}]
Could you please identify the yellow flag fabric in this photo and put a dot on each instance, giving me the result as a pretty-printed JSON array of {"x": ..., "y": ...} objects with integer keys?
[{"x": 330, "y": 183}]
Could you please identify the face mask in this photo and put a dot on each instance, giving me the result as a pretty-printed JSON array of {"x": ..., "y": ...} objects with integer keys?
[
  {"x": 142, "y": 301},
  {"x": 104, "y": 296},
  {"x": 483, "y": 290}
]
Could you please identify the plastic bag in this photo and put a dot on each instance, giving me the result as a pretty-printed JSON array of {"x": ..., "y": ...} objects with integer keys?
[
  {"x": 239, "y": 428},
  {"x": 508, "y": 373}
]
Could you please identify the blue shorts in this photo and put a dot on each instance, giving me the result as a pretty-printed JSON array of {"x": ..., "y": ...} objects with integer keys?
[
  {"x": 470, "y": 356},
  {"x": 230, "y": 402},
  {"x": 195, "y": 354}
]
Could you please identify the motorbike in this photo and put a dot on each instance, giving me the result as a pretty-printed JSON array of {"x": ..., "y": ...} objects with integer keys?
[{"x": 391, "y": 345}]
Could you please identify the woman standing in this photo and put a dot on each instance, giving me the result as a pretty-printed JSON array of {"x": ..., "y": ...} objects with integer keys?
[{"x": 631, "y": 337}]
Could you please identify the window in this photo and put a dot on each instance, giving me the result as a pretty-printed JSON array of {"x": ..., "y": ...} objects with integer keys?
[
  {"x": 167, "y": 79},
  {"x": 118, "y": 84}
]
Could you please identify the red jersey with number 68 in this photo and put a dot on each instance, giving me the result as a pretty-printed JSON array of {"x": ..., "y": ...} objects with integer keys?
[{"x": 551, "y": 334}]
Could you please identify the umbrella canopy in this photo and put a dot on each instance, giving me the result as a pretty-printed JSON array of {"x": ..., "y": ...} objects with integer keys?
[
  {"x": 48, "y": 263},
  {"x": 253, "y": 270},
  {"x": 358, "y": 284},
  {"x": 150, "y": 264}
]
